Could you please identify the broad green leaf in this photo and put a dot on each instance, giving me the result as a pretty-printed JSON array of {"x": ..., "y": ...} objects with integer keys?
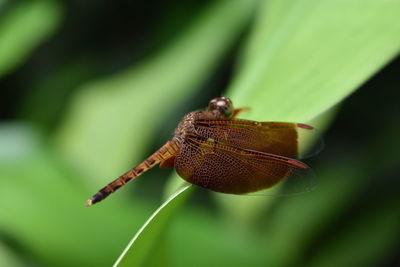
[
  {"x": 139, "y": 248},
  {"x": 23, "y": 28},
  {"x": 303, "y": 57}
]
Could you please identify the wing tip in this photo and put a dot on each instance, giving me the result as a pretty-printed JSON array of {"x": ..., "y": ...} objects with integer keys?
[
  {"x": 305, "y": 126},
  {"x": 298, "y": 164}
]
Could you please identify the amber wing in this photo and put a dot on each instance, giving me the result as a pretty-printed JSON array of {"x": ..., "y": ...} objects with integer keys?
[
  {"x": 234, "y": 170},
  {"x": 280, "y": 138}
]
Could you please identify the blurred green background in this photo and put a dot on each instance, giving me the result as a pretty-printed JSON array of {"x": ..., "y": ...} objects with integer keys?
[{"x": 88, "y": 89}]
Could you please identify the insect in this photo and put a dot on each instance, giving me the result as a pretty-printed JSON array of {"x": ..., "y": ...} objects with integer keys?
[{"x": 215, "y": 150}]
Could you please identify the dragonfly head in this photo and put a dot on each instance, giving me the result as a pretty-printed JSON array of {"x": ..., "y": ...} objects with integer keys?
[{"x": 222, "y": 107}]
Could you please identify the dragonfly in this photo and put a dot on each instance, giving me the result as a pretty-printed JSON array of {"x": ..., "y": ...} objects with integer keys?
[{"x": 213, "y": 149}]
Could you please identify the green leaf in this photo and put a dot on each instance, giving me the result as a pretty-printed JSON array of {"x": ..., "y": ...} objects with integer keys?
[
  {"x": 23, "y": 28},
  {"x": 303, "y": 57},
  {"x": 139, "y": 248}
]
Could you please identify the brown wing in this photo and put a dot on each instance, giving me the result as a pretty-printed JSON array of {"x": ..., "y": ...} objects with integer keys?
[
  {"x": 233, "y": 170},
  {"x": 280, "y": 138}
]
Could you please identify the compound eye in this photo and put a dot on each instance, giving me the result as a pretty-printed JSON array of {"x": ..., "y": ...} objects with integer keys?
[{"x": 222, "y": 105}]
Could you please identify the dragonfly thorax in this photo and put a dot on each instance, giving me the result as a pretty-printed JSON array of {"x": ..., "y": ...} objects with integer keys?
[{"x": 186, "y": 126}]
